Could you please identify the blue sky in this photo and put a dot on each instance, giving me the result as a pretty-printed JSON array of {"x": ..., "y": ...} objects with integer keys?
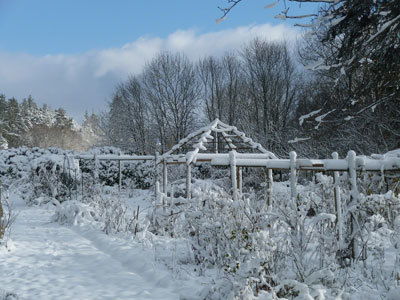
[{"x": 72, "y": 53}]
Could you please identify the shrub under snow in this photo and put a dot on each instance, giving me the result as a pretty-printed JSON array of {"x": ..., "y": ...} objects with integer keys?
[{"x": 289, "y": 250}]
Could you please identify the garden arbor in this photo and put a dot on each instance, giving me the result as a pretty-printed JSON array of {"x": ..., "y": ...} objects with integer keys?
[{"x": 212, "y": 143}]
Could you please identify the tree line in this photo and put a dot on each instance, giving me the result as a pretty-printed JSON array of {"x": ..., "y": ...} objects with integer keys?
[
  {"x": 264, "y": 90},
  {"x": 25, "y": 124}
]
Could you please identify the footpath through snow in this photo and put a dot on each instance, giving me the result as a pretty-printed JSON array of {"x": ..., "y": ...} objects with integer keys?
[{"x": 50, "y": 261}]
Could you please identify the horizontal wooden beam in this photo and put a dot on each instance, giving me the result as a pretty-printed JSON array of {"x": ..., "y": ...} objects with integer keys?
[{"x": 115, "y": 157}]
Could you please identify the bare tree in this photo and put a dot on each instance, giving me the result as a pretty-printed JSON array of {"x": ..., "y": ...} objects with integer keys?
[
  {"x": 114, "y": 123},
  {"x": 234, "y": 81},
  {"x": 172, "y": 90},
  {"x": 221, "y": 79},
  {"x": 138, "y": 122},
  {"x": 271, "y": 87},
  {"x": 211, "y": 74}
]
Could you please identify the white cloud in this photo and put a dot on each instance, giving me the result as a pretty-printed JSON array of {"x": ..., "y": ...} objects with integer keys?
[{"x": 84, "y": 81}]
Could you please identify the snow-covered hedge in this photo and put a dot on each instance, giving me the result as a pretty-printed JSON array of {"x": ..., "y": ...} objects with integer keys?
[
  {"x": 138, "y": 174},
  {"x": 17, "y": 163},
  {"x": 52, "y": 173}
]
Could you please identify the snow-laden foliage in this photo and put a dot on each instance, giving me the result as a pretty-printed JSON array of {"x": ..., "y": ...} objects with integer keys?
[
  {"x": 136, "y": 174},
  {"x": 102, "y": 210},
  {"x": 75, "y": 213},
  {"x": 7, "y": 217},
  {"x": 290, "y": 250},
  {"x": 17, "y": 163},
  {"x": 53, "y": 176},
  {"x": 53, "y": 173},
  {"x": 6, "y": 295},
  {"x": 38, "y": 172}
]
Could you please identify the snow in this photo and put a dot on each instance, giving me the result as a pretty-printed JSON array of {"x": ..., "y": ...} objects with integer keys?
[
  {"x": 383, "y": 28},
  {"x": 389, "y": 161},
  {"x": 296, "y": 140},
  {"x": 336, "y": 21},
  {"x": 3, "y": 143},
  {"x": 304, "y": 117},
  {"x": 115, "y": 157},
  {"x": 320, "y": 118},
  {"x": 51, "y": 261}
]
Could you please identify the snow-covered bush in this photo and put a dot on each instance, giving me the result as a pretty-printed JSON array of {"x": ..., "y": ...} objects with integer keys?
[
  {"x": 5, "y": 295},
  {"x": 37, "y": 172},
  {"x": 53, "y": 177},
  {"x": 107, "y": 212},
  {"x": 52, "y": 173},
  {"x": 233, "y": 237},
  {"x": 289, "y": 250},
  {"x": 7, "y": 217},
  {"x": 73, "y": 212},
  {"x": 138, "y": 173},
  {"x": 15, "y": 163}
]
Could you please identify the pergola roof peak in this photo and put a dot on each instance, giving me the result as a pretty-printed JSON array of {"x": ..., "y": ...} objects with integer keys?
[{"x": 217, "y": 137}]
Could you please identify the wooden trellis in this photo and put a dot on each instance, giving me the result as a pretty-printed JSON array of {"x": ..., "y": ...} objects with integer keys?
[{"x": 211, "y": 142}]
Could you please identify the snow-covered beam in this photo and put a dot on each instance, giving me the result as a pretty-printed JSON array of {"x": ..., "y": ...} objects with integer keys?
[
  {"x": 115, "y": 157},
  {"x": 208, "y": 157},
  {"x": 362, "y": 163}
]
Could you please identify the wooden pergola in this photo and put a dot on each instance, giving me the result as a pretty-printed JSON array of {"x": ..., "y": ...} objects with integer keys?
[
  {"x": 209, "y": 144},
  {"x": 223, "y": 145}
]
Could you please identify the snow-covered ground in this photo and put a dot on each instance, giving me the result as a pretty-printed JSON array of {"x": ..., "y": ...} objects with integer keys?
[{"x": 47, "y": 260}]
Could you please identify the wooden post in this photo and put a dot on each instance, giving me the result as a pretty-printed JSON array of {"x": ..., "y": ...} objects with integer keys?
[
  {"x": 232, "y": 161},
  {"x": 239, "y": 180},
  {"x": 81, "y": 178},
  {"x": 96, "y": 171},
  {"x": 119, "y": 175},
  {"x": 338, "y": 203},
  {"x": 157, "y": 193},
  {"x": 69, "y": 177},
  {"x": 268, "y": 187},
  {"x": 216, "y": 142},
  {"x": 351, "y": 159},
  {"x": 76, "y": 185},
  {"x": 188, "y": 180},
  {"x": 293, "y": 176},
  {"x": 1, "y": 215},
  {"x": 165, "y": 177},
  {"x": 156, "y": 183}
]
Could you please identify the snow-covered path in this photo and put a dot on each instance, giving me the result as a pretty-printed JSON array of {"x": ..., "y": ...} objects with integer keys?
[{"x": 49, "y": 261}]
